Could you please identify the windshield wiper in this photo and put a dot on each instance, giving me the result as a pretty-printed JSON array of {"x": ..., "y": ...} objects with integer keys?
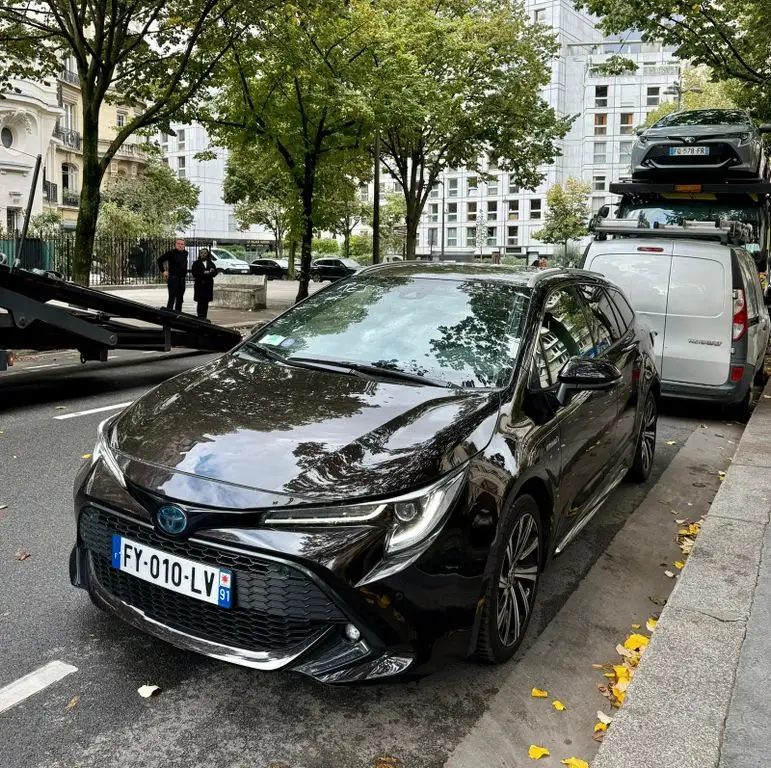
[
  {"x": 308, "y": 363},
  {"x": 378, "y": 371}
]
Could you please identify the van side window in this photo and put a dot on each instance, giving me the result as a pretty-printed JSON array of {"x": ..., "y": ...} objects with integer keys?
[
  {"x": 625, "y": 312},
  {"x": 749, "y": 279},
  {"x": 602, "y": 321}
]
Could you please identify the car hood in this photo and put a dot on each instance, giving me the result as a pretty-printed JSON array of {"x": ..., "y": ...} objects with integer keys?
[
  {"x": 699, "y": 131},
  {"x": 262, "y": 434}
]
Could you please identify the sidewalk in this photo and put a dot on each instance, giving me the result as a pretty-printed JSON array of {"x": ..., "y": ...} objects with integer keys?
[{"x": 702, "y": 694}]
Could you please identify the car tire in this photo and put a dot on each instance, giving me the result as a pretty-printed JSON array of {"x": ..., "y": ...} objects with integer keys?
[
  {"x": 508, "y": 603},
  {"x": 645, "y": 450},
  {"x": 742, "y": 410}
]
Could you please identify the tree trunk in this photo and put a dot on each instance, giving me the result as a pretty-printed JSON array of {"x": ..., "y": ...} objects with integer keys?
[
  {"x": 88, "y": 211},
  {"x": 347, "y": 244},
  {"x": 306, "y": 245},
  {"x": 412, "y": 220}
]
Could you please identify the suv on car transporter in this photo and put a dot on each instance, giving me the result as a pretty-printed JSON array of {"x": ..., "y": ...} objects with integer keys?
[
  {"x": 708, "y": 141},
  {"x": 391, "y": 466}
]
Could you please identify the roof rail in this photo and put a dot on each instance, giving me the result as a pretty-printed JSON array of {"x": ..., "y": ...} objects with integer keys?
[{"x": 733, "y": 232}]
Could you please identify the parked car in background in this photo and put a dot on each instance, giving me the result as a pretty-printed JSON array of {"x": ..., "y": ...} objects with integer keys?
[
  {"x": 229, "y": 264},
  {"x": 333, "y": 269},
  {"x": 273, "y": 269},
  {"x": 705, "y": 304},
  {"x": 389, "y": 467},
  {"x": 724, "y": 141}
]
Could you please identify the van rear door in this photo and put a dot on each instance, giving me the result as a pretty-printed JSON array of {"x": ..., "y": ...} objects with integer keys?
[
  {"x": 641, "y": 269},
  {"x": 697, "y": 343}
]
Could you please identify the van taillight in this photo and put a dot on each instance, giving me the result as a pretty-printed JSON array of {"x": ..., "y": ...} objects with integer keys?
[
  {"x": 740, "y": 314},
  {"x": 650, "y": 249}
]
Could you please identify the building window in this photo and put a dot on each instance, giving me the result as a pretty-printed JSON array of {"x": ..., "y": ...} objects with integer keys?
[
  {"x": 600, "y": 96},
  {"x": 181, "y": 139},
  {"x": 513, "y": 210},
  {"x": 654, "y": 96},
  {"x": 471, "y": 237},
  {"x": 471, "y": 211},
  {"x": 492, "y": 236},
  {"x": 601, "y": 124},
  {"x": 69, "y": 177},
  {"x": 492, "y": 210},
  {"x": 382, "y": 186},
  {"x": 395, "y": 186},
  {"x": 232, "y": 223},
  {"x": 540, "y": 16},
  {"x": 535, "y": 209},
  {"x": 627, "y": 123},
  {"x": 513, "y": 188},
  {"x": 6, "y": 137},
  {"x": 165, "y": 161},
  {"x": 598, "y": 183},
  {"x": 120, "y": 119},
  {"x": 434, "y": 191},
  {"x": 433, "y": 234},
  {"x": 433, "y": 212},
  {"x": 181, "y": 167},
  {"x": 165, "y": 141},
  {"x": 512, "y": 235},
  {"x": 492, "y": 187},
  {"x": 364, "y": 192},
  {"x": 452, "y": 237},
  {"x": 69, "y": 116},
  {"x": 452, "y": 211},
  {"x": 600, "y": 152},
  {"x": 625, "y": 152},
  {"x": 472, "y": 185}
]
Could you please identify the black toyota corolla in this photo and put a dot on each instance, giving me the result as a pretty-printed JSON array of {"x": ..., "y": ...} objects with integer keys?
[{"x": 372, "y": 483}]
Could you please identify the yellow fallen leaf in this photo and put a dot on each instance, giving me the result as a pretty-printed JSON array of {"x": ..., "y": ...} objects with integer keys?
[
  {"x": 603, "y": 718},
  {"x": 558, "y": 705},
  {"x": 610, "y": 675},
  {"x": 600, "y": 727},
  {"x": 635, "y": 626},
  {"x": 679, "y": 564},
  {"x": 86, "y": 456},
  {"x": 537, "y": 693},
  {"x": 635, "y": 642},
  {"x": 622, "y": 673},
  {"x": 671, "y": 442},
  {"x": 625, "y": 652},
  {"x": 620, "y": 696},
  {"x": 536, "y": 753},
  {"x": 651, "y": 624},
  {"x": 73, "y": 702},
  {"x": 574, "y": 762}
]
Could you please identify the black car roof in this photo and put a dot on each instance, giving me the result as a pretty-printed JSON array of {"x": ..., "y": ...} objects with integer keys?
[{"x": 527, "y": 277}]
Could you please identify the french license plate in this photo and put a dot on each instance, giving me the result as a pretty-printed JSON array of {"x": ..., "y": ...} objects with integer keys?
[
  {"x": 178, "y": 574},
  {"x": 688, "y": 151}
]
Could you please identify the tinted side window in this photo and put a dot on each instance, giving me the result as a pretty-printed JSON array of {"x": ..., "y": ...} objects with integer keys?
[
  {"x": 625, "y": 312},
  {"x": 602, "y": 321},
  {"x": 565, "y": 331},
  {"x": 749, "y": 275}
]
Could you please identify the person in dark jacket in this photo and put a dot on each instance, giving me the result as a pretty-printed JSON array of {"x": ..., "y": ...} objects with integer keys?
[
  {"x": 173, "y": 264},
  {"x": 203, "y": 270}
]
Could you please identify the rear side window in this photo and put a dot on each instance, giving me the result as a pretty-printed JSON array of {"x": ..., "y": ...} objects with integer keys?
[
  {"x": 751, "y": 283},
  {"x": 602, "y": 320},
  {"x": 697, "y": 288},
  {"x": 624, "y": 312}
]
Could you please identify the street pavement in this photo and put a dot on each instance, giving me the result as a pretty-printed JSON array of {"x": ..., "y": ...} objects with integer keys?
[{"x": 209, "y": 713}]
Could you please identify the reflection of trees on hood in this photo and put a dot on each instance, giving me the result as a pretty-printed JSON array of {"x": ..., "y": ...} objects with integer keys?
[{"x": 482, "y": 341}]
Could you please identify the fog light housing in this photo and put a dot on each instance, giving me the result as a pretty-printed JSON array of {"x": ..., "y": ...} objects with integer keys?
[{"x": 352, "y": 633}]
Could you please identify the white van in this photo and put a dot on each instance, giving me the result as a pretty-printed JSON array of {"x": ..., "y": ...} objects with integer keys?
[{"x": 704, "y": 303}]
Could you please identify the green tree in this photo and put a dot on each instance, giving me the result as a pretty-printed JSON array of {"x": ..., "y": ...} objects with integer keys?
[
  {"x": 567, "y": 213},
  {"x": 393, "y": 220},
  {"x": 152, "y": 55},
  {"x": 294, "y": 92},
  {"x": 348, "y": 214},
  {"x": 361, "y": 248},
  {"x": 45, "y": 224},
  {"x": 710, "y": 95},
  {"x": 730, "y": 37},
  {"x": 155, "y": 201},
  {"x": 467, "y": 78},
  {"x": 327, "y": 246}
]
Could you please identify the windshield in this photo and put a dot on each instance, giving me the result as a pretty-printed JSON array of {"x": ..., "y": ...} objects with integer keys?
[
  {"x": 463, "y": 332},
  {"x": 223, "y": 256},
  {"x": 677, "y": 211},
  {"x": 351, "y": 263},
  {"x": 704, "y": 117}
]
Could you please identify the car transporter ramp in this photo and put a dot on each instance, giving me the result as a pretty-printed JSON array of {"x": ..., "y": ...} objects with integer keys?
[{"x": 43, "y": 312}]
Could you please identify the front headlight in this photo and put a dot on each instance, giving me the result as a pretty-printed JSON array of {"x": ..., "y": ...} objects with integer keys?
[
  {"x": 103, "y": 450},
  {"x": 413, "y": 520}
]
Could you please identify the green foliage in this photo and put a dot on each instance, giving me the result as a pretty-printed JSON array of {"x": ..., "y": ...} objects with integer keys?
[
  {"x": 155, "y": 201},
  {"x": 326, "y": 247},
  {"x": 45, "y": 224},
  {"x": 464, "y": 80},
  {"x": 730, "y": 37},
  {"x": 119, "y": 222},
  {"x": 714, "y": 95},
  {"x": 361, "y": 248},
  {"x": 614, "y": 66},
  {"x": 567, "y": 214}
]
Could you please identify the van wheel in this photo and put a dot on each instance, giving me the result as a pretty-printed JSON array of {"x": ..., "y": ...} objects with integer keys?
[
  {"x": 645, "y": 452},
  {"x": 510, "y": 595},
  {"x": 742, "y": 410}
]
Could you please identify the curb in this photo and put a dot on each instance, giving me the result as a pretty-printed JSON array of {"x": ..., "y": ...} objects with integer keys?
[{"x": 685, "y": 689}]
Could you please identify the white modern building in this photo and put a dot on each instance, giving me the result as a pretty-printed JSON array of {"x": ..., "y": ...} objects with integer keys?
[{"x": 213, "y": 219}]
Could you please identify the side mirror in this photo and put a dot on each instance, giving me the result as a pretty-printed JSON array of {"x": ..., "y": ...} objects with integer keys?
[
  {"x": 581, "y": 374},
  {"x": 640, "y": 130},
  {"x": 603, "y": 212}
]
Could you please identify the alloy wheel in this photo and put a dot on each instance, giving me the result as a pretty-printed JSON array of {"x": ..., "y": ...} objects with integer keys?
[
  {"x": 517, "y": 580},
  {"x": 648, "y": 437}
]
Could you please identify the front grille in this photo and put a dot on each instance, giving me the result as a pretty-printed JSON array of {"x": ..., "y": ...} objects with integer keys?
[
  {"x": 275, "y": 606},
  {"x": 718, "y": 154}
]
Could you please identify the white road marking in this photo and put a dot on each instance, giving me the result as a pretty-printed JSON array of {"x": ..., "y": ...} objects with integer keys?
[
  {"x": 104, "y": 408},
  {"x": 33, "y": 683}
]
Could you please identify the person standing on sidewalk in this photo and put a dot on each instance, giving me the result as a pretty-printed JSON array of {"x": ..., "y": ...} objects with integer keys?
[
  {"x": 203, "y": 270},
  {"x": 173, "y": 264}
]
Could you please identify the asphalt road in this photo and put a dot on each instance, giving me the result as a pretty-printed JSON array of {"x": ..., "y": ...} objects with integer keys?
[{"x": 212, "y": 714}]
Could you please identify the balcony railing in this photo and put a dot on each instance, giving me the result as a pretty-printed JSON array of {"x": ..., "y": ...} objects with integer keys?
[
  {"x": 50, "y": 192},
  {"x": 70, "y": 197},
  {"x": 69, "y": 76},
  {"x": 68, "y": 137}
]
